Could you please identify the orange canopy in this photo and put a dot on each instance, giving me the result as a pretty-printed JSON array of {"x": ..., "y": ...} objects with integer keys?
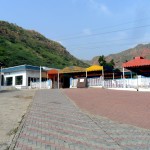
[{"x": 53, "y": 71}]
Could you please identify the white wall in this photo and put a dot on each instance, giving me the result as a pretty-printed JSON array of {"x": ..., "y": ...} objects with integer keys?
[
  {"x": 13, "y": 75},
  {"x": 25, "y": 74}
]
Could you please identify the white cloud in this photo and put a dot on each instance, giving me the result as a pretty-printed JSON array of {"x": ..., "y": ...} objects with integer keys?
[
  {"x": 99, "y": 7},
  {"x": 104, "y": 9},
  {"x": 95, "y": 5}
]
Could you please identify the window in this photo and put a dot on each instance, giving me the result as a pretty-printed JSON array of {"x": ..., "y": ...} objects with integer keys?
[
  {"x": 9, "y": 81},
  {"x": 44, "y": 79},
  {"x": 29, "y": 80},
  {"x": 18, "y": 80}
]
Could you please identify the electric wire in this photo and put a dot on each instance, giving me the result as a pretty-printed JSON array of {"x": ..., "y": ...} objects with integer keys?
[
  {"x": 107, "y": 41},
  {"x": 103, "y": 33},
  {"x": 106, "y": 27}
]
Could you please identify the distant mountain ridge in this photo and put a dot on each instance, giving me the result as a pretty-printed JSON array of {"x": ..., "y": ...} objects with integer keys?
[
  {"x": 119, "y": 58},
  {"x": 19, "y": 46}
]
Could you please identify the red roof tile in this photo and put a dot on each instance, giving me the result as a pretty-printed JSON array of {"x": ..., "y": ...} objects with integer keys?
[{"x": 138, "y": 61}]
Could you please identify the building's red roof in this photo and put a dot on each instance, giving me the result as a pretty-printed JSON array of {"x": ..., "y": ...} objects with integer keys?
[{"x": 138, "y": 61}]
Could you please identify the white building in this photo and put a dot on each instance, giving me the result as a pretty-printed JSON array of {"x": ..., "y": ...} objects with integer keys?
[{"x": 21, "y": 76}]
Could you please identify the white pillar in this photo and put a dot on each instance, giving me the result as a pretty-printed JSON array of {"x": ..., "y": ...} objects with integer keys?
[
  {"x": 13, "y": 80},
  {"x": 103, "y": 77},
  {"x": 25, "y": 79},
  {"x": 123, "y": 78},
  {"x": 123, "y": 72}
]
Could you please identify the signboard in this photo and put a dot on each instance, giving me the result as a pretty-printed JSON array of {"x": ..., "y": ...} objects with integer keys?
[{"x": 82, "y": 82}]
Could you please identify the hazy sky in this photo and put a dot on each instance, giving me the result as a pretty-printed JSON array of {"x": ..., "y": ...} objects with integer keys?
[{"x": 87, "y": 28}]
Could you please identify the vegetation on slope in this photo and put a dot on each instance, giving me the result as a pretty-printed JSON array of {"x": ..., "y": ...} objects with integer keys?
[{"x": 19, "y": 46}]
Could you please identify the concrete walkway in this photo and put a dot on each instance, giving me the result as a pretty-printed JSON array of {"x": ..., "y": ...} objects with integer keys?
[{"x": 55, "y": 123}]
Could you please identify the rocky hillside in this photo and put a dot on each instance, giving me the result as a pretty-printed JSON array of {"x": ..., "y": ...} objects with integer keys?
[
  {"x": 19, "y": 46},
  {"x": 140, "y": 50}
]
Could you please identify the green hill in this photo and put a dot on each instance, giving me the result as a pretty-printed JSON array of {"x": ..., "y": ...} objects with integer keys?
[{"x": 19, "y": 46}]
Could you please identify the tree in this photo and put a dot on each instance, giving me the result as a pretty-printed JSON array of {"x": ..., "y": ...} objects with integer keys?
[
  {"x": 102, "y": 61},
  {"x": 111, "y": 63},
  {"x": 109, "y": 66}
]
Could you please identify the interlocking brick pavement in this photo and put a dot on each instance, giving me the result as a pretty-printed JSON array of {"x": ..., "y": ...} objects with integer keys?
[
  {"x": 130, "y": 107},
  {"x": 53, "y": 122}
]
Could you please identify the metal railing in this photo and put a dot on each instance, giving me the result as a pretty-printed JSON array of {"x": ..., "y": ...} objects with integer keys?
[{"x": 36, "y": 85}]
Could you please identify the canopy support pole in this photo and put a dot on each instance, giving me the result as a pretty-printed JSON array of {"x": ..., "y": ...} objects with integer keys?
[
  {"x": 137, "y": 83},
  {"x": 103, "y": 77},
  {"x": 103, "y": 73}
]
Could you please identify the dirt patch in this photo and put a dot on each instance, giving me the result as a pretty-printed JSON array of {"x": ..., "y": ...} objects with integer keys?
[
  {"x": 23, "y": 97},
  {"x": 13, "y": 105}
]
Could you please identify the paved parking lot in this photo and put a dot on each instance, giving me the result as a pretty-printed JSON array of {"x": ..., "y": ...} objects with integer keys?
[
  {"x": 55, "y": 123},
  {"x": 130, "y": 107}
]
